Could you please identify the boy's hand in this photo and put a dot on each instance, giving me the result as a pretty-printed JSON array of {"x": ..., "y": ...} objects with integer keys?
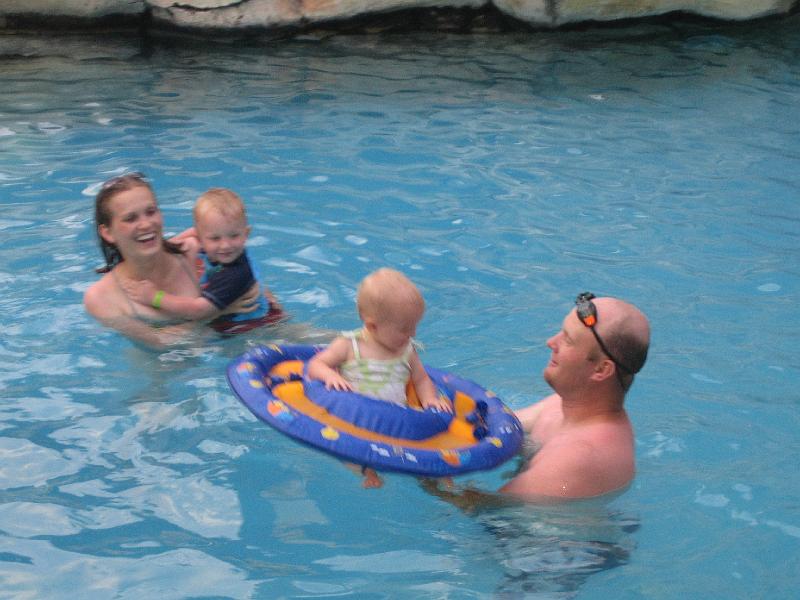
[{"x": 187, "y": 240}]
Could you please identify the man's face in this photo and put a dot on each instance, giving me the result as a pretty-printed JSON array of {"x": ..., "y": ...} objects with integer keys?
[{"x": 571, "y": 361}]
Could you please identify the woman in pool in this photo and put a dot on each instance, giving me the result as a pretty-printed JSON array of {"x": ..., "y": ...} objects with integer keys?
[{"x": 130, "y": 232}]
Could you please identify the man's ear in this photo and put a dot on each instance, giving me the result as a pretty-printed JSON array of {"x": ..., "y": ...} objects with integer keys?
[{"x": 604, "y": 369}]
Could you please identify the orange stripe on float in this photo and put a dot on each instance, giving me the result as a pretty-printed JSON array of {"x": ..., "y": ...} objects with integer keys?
[{"x": 458, "y": 435}]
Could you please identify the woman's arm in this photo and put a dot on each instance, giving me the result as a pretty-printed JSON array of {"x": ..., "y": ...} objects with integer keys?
[
  {"x": 104, "y": 303},
  {"x": 183, "y": 307},
  {"x": 246, "y": 303},
  {"x": 156, "y": 339}
]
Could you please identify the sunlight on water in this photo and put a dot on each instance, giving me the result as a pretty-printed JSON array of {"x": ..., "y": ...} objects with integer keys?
[{"x": 504, "y": 174}]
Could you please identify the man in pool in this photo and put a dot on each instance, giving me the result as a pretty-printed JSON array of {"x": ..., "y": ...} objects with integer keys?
[{"x": 584, "y": 443}]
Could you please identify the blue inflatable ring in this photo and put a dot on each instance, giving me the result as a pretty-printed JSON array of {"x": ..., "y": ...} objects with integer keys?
[{"x": 481, "y": 434}]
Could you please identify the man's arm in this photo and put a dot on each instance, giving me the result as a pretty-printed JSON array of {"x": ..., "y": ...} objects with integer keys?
[
  {"x": 528, "y": 415},
  {"x": 468, "y": 499},
  {"x": 557, "y": 476},
  {"x": 558, "y": 471}
]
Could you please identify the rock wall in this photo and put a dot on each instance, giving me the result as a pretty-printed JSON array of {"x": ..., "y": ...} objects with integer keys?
[
  {"x": 271, "y": 14},
  {"x": 87, "y": 9}
]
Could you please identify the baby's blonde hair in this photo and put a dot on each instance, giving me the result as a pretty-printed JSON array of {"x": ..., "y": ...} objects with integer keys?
[
  {"x": 385, "y": 293},
  {"x": 221, "y": 200}
]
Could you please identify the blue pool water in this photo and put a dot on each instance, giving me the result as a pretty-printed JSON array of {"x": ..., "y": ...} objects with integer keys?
[{"x": 504, "y": 174}]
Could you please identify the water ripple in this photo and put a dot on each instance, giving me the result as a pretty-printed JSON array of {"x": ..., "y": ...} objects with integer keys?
[{"x": 504, "y": 174}]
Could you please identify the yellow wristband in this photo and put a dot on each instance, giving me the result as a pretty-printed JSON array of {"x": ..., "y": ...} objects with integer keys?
[{"x": 156, "y": 303}]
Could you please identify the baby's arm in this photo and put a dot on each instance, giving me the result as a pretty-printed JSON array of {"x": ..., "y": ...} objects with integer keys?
[
  {"x": 324, "y": 365},
  {"x": 426, "y": 391},
  {"x": 194, "y": 309}
]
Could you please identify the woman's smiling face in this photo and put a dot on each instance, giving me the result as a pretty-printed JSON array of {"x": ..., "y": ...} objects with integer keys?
[{"x": 136, "y": 222}]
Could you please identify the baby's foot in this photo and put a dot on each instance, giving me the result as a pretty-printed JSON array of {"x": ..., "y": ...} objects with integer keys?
[{"x": 371, "y": 479}]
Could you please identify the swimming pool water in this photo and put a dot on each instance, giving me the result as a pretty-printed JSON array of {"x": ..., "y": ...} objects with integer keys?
[{"x": 504, "y": 174}]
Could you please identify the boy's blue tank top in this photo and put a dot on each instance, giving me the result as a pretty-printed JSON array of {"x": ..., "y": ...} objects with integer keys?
[{"x": 222, "y": 284}]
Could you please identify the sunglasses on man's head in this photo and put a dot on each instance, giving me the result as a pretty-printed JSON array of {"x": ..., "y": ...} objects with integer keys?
[{"x": 587, "y": 313}]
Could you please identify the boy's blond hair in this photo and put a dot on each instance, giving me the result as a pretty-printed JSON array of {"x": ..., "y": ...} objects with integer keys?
[
  {"x": 386, "y": 292},
  {"x": 221, "y": 200}
]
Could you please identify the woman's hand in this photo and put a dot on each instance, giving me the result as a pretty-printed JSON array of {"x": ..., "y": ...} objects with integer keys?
[
  {"x": 246, "y": 303},
  {"x": 139, "y": 290}
]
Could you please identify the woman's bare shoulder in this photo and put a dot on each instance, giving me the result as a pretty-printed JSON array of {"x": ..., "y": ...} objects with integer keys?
[{"x": 100, "y": 298}]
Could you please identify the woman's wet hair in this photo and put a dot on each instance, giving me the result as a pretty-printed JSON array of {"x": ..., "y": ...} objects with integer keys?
[{"x": 103, "y": 216}]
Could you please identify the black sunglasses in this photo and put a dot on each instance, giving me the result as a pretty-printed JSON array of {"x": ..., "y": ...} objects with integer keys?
[{"x": 587, "y": 313}]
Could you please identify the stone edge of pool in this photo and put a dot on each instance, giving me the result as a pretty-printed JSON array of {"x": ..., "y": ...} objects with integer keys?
[{"x": 293, "y": 16}]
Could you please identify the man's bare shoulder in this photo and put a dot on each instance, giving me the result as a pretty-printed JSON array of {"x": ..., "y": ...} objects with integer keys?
[
  {"x": 601, "y": 453},
  {"x": 571, "y": 467},
  {"x": 608, "y": 433},
  {"x": 579, "y": 461}
]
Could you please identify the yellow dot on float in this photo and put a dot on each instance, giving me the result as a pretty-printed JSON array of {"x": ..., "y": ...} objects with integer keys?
[{"x": 329, "y": 433}]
